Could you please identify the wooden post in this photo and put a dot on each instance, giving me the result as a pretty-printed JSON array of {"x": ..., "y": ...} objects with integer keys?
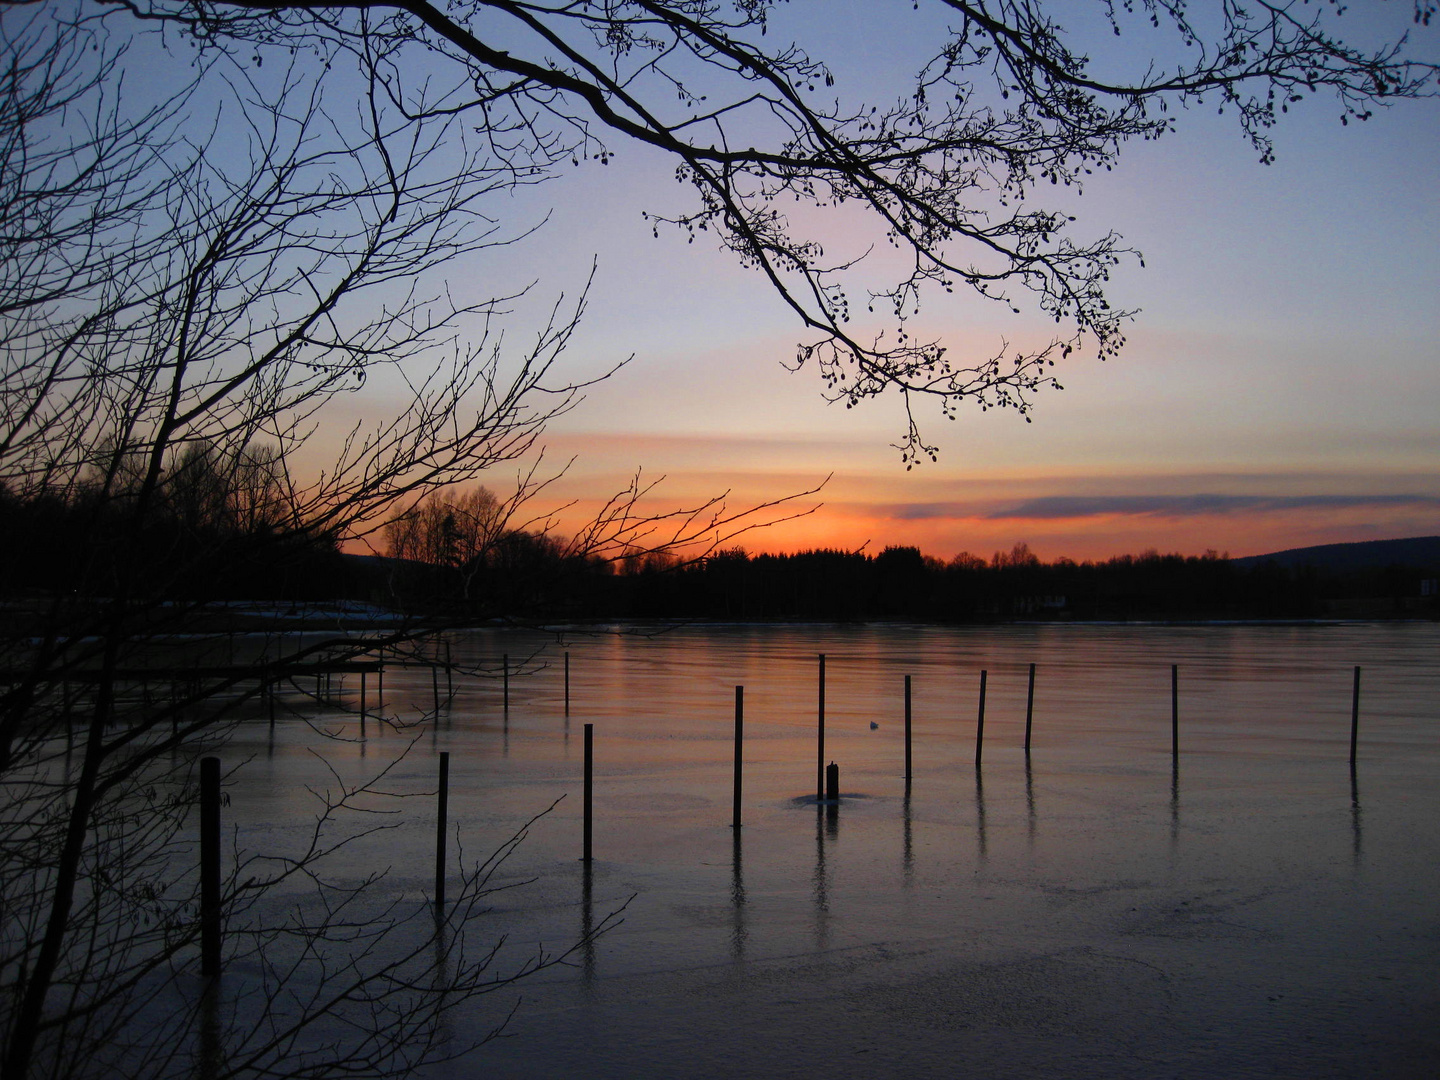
[
  {"x": 449, "y": 674},
  {"x": 270, "y": 699},
  {"x": 739, "y": 743},
  {"x": 380, "y": 687},
  {"x": 820, "y": 757},
  {"x": 567, "y": 684},
  {"x": 441, "y": 814},
  {"x": 980, "y": 723},
  {"x": 435, "y": 688},
  {"x": 1175, "y": 712},
  {"x": 1029, "y": 708},
  {"x": 505, "y": 678},
  {"x": 210, "y": 867},
  {"x": 363, "y": 674},
  {"x": 832, "y": 782},
  {"x": 907, "y": 729},
  {"x": 1355, "y": 715},
  {"x": 589, "y": 789}
]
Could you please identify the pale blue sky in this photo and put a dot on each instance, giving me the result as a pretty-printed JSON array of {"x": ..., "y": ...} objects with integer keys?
[
  {"x": 1283, "y": 364},
  {"x": 1287, "y": 345}
]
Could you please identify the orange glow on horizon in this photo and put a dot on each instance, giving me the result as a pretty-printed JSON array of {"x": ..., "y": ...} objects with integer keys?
[
  {"x": 1092, "y": 510},
  {"x": 854, "y": 527}
]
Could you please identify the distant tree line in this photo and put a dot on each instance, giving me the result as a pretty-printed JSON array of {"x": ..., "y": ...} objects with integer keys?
[
  {"x": 462, "y": 554},
  {"x": 529, "y": 575},
  {"x": 223, "y": 529},
  {"x": 214, "y": 525},
  {"x": 902, "y": 583}
]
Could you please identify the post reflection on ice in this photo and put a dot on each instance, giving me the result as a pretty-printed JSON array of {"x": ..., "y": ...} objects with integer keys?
[
  {"x": 739, "y": 934},
  {"x": 1355, "y": 815},
  {"x": 1266, "y": 738},
  {"x": 827, "y": 825},
  {"x": 982, "y": 851},
  {"x": 587, "y": 929},
  {"x": 907, "y": 842},
  {"x": 1174, "y": 804},
  {"x": 1029, "y": 795}
]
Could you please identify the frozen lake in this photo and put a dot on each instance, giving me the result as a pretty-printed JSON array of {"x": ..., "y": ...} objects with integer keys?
[{"x": 1083, "y": 913}]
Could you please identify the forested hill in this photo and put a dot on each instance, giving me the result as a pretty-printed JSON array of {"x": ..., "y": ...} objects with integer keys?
[{"x": 1418, "y": 551}]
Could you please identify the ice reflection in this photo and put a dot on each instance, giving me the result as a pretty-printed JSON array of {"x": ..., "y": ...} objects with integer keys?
[
  {"x": 982, "y": 850},
  {"x": 1355, "y": 815},
  {"x": 738, "y": 932},
  {"x": 443, "y": 969},
  {"x": 908, "y": 846},
  {"x": 826, "y": 822},
  {"x": 1174, "y": 803},
  {"x": 1267, "y": 713},
  {"x": 211, "y": 1058},
  {"x": 587, "y": 929},
  {"x": 1030, "y": 792}
]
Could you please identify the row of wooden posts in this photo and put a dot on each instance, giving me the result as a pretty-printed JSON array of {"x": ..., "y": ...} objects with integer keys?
[
  {"x": 1029, "y": 722},
  {"x": 324, "y": 689},
  {"x": 449, "y": 684},
  {"x": 827, "y": 784}
]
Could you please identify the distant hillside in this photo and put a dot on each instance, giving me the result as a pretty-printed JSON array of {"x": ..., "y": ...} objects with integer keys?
[{"x": 1365, "y": 555}]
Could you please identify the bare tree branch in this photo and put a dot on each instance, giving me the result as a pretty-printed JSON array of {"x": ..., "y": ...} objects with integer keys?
[{"x": 948, "y": 176}]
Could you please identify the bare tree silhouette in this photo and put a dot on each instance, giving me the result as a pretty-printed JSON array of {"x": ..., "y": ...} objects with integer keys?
[
  {"x": 187, "y": 286},
  {"x": 949, "y": 176}
]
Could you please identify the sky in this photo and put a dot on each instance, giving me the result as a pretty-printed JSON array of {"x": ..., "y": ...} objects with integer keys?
[{"x": 1278, "y": 388}]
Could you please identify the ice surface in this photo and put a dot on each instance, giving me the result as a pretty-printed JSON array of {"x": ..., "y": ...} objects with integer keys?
[{"x": 1088, "y": 913}]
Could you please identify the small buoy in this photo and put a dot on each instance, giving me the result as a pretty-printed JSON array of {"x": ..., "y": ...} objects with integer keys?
[{"x": 873, "y": 725}]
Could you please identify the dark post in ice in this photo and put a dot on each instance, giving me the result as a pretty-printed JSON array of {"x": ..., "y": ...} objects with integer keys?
[
  {"x": 832, "y": 782},
  {"x": 980, "y": 722},
  {"x": 210, "y": 866},
  {"x": 1175, "y": 712},
  {"x": 441, "y": 815},
  {"x": 820, "y": 755},
  {"x": 589, "y": 789},
  {"x": 907, "y": 729},
  {"x": 739, "y": 743},
  {"x": 1029, "y": 708},
  {"x": 1355, "y": 715}
]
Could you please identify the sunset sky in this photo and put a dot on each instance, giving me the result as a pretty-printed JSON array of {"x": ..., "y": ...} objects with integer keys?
[{"x": 1278, "y": 389}]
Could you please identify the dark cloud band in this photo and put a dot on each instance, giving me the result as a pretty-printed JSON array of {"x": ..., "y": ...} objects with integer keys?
[
  {"x": 1074, "y": 506},
  {"x": 1050, "y": 507}
]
